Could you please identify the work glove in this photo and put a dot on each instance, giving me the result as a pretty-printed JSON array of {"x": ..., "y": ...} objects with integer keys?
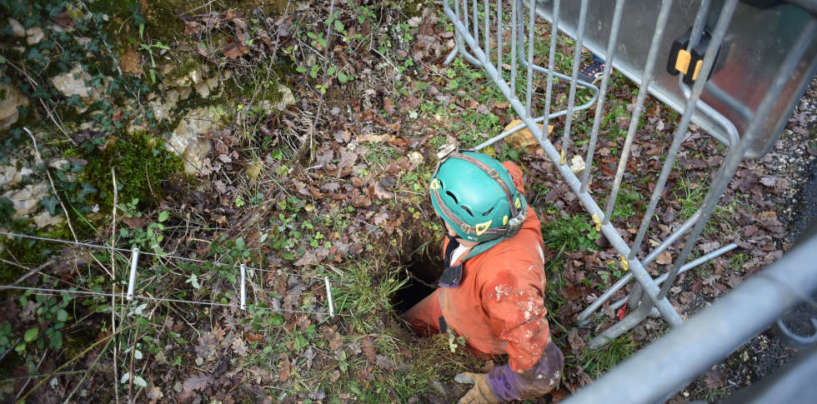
[{"x": 481, "y": 392}]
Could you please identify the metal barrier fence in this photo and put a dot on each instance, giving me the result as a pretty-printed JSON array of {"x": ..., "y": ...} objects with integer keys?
[
  {"x": 743, "y": 98},
  {"x": 668, "y": 364}
]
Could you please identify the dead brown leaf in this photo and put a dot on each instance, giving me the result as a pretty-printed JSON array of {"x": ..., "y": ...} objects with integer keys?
[
  {"x": 198, "y": 382},
  {"x": 253, "y": 337},
  {"x": 130, "y": 62},
  {"x": 709, "y": 246},
  {"x": 665, "y": 258},
  {"x": 368, "y": 349},
  {"x": 382, "y": 193},
  {"x": 235, "y": 50},
  {"x": 239, "y": 347},
  {"x": 714, "y": 378},
  {"x": 284, "y": 368},
  {"x": 135, "y": 222},
  {"x": 207, "y": 345},
  {"x": 576, "y": 342},
  {"x": 192, "y": 28},
  {"x": 388, "y": 105}
]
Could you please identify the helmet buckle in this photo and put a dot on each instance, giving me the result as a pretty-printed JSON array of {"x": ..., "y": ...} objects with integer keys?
[{"x": 445, "y": 150}]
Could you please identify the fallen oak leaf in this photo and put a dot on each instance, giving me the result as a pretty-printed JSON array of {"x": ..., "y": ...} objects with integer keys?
[
  {"x": 194, "y": 383},
  {"x": 575, "y": 341},
  {"x": 239, "y": 347},
  {"x": 388, "y": 105},
  {"x": 192, "y": 28},
  {"x": 235, "y": 50},
  {"x": 130, "y": 62},
  {"x": 382, "y": 193},
  {"x": 284, "y": 368},
  {"x": 368, "y": 349},
  {"x": 665, "y": 258}
]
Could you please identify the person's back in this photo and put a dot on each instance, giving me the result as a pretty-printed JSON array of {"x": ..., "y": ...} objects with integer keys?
[{"x": 493, "y": 287}]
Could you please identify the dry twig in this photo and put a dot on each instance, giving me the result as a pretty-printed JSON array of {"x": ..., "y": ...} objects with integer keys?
[{"x": 51, "y": 181}]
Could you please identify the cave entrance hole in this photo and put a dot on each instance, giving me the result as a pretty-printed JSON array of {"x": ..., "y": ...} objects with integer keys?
[{"x": 422, "y": 263}]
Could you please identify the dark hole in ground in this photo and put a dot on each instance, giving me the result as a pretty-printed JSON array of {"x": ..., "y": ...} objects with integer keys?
[{"x": 422, "y": 261}]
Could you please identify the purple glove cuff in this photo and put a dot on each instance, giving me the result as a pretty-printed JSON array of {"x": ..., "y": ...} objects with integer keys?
[
  {"x": 504, "y": 383},
  {"x": 508, "y": 385}
]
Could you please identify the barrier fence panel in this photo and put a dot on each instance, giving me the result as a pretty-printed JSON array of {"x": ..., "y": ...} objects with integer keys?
[{"x": 710, "y": 60}]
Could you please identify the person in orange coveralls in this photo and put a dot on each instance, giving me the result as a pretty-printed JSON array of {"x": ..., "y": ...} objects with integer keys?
[{"x": 492, "y": 289}]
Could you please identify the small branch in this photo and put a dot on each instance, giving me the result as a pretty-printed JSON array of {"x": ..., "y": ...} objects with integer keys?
[
  {"x": 29, "y": 379},
  {"x": 51, "y": 181},
  {"x": 70, "y": 361},
  {"x": 302, "y": 152},
  {"x": 31, "y": 272},
  {"x": 113, "y": 283},
  {"x": 51, "y": 114},
  {"x": 14, "y": 264},
  {"x": 88, "y": 371}
]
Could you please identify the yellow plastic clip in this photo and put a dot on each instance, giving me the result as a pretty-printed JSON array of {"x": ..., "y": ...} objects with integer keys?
[
  {"x": 482, "y": 227},
  {"x": 682, "y": 61},
  {"x": 597, "y": 221},
  {"x": 698, "y": 66},
  {"x": 564, "y": 158},
  {"x": 625, "y": 265}
]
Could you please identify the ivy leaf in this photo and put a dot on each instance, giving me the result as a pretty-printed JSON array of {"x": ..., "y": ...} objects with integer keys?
[
  {"x": 139, "y": 381},
  {"x": 50, "y": 204},
  {"x": 62, "y": 315},
  {"x": 163, "y": 215},
  {"x": 55, "y": 340},
  {"x": 31, "y": 334}
]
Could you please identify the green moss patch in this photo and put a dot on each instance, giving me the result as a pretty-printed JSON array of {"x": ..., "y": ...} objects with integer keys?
[{"x": 143, "y": 168}]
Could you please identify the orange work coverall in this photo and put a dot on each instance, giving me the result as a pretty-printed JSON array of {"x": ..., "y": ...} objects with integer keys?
[{"x": 499, "y": 305}]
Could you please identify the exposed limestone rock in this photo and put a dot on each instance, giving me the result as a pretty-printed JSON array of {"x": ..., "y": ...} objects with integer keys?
[
  {"x": 34, "y": 35},
  {"x": 10, "y": 99},
  {"x": 17, "y": 28},
  {"x": 190, "y": 140},
  {"x": 27, "y": 199},
  {"x": 163, "y": 108},
  {"x": 73, "y": 83},
  {"x": 287, "y": 99},
  {"x": 45, "y": 219},
  {"x": 204, "y": 87},
  {"x": 11, "y": 176}
]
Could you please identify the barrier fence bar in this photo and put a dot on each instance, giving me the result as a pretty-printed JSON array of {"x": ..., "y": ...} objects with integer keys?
[
  {"x": 499, "y": 37},
  {"x": 571, "y": 98},
  {"x": 514, "y": 24},
  {"x": 529, "y": 56},
  {"x": 646, "y": 78},
  {"x": 605, "y": 78},
  {"x": 554, "y": 34}
]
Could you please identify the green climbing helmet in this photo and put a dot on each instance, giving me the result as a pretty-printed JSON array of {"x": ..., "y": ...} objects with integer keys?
[{"x": 475, "y": 195}]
